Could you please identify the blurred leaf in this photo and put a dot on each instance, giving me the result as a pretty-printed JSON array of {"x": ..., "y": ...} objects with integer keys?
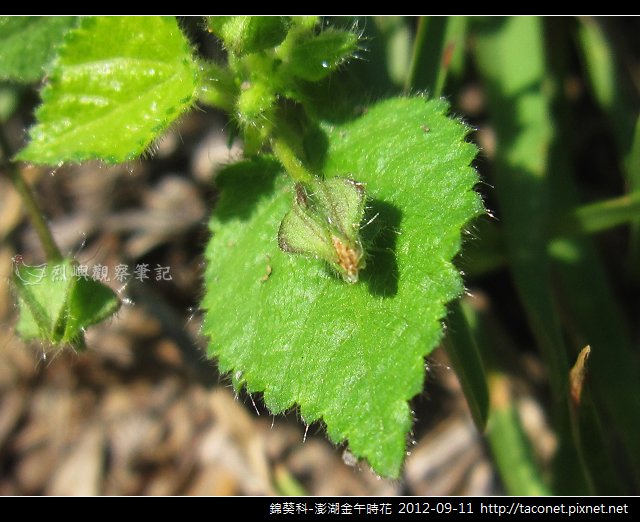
[
  {"x": 511, "y": 57},
  {"x": 591, "y": 433},
  {"x": 592, "y": 315},
  {"x": 9, "y": 100},
  {"x": 599, "y": 216},
  {"x": 509, "y": 443},
  {"x": 286, "y": 484},
  {"x": 488, "y": 254},
  {"x": 466, "y": 361},
  {"x": 395, "y": 35},
  {"x": 510, "y": 446},
  {"x": 591, "y": 310},
  {"x": 28, "y": 43},
  {"x": 612, "y": 91},
  {"x": 118, "y": 83},
  {"x": 351, "y": 355},
  {"x": 608, "y": 84},
  {"x": 524, "y": 131},
  {"x": 632, "y": 167}
]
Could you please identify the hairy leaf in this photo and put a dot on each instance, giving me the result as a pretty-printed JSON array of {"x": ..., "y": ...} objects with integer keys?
[
  {"x": 118, "y": 83},
  {"x": 286, "y": 325}
]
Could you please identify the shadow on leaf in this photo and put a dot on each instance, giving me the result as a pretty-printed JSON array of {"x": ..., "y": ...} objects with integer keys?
[
  {"x": 248, "y": 182},
  {"x": 380, "y": 237}
]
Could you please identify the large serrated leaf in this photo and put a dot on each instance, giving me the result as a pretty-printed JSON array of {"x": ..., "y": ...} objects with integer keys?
[
  {"x": 118, "y": 83},
  {"x": 287, "y": 326},
  {"x": 28, "y": 43}
]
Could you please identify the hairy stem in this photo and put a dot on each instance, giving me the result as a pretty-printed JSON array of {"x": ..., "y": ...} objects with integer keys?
[
  {"x": 290, "y": 161},
  {"x": 28, "y": 198}
]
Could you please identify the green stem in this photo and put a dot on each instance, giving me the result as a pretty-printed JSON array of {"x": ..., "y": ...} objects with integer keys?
[
  {"x": 31, "y": 205},
  {"x": 290, "y": 161}
]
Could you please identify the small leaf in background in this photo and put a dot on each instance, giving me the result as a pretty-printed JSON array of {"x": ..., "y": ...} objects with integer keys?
[
  {"x": 56, "y": 304},
  {"x": 28, "y": 43},
  {"x": 325, "y": 223},
  {"x": 117, "y": 84},
  {"x": 249, "y": 34},
  {"x": 351, "y": 355}
]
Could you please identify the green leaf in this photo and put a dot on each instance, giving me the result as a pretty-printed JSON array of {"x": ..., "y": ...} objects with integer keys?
[
  {"x": 349, "y": 354},
  {"x": 118, "y": 83},
  {"x": 313, "y": 57},
  {"x": 28, "y": 43},
  {"x": 249, "y": 34},
  {"x": 57, "y": 305}
]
